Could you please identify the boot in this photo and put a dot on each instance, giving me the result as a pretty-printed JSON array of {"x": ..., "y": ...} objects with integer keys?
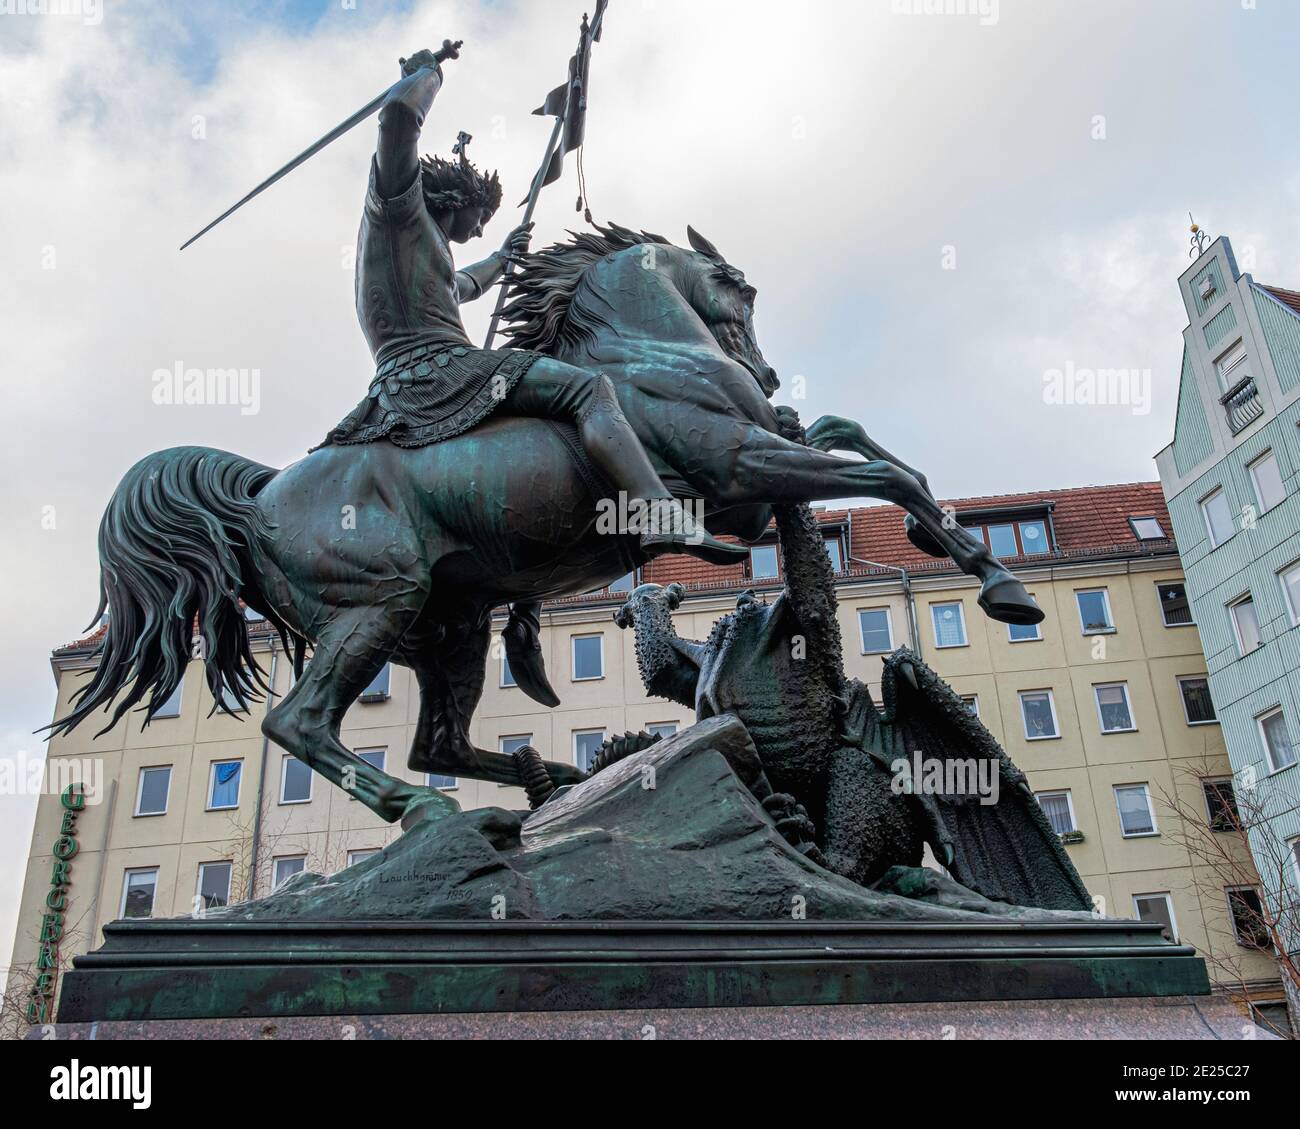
[{"x": 674, "y": 530}]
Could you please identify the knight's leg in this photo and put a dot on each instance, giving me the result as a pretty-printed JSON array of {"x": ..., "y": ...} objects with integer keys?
[
  {"x": 450, "y": 676},
  {"x": 349, "y": 653},
  {"x": 556, "y": 391}
]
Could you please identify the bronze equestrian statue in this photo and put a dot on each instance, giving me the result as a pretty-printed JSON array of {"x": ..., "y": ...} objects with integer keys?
[{"x": 471, "y": 479}]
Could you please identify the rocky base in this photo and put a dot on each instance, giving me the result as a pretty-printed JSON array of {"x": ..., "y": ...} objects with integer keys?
[{"x": 670, "y": 834}]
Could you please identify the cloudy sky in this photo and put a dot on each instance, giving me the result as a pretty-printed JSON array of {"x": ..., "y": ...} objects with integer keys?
[{"x": 848, "y": 156}]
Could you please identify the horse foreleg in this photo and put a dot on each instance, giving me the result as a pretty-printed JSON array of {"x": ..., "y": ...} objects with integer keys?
[
  {"x": 769, "y": 468},
  {"x": 834, "y": 433}
]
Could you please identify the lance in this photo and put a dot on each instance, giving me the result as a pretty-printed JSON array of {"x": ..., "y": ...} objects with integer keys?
[
  {"x": 449, "y": 50},
  {"x": 569, "y": 105}
]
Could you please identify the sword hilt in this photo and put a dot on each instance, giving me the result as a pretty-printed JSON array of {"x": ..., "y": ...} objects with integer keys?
[{"x": 449, "y": 50}]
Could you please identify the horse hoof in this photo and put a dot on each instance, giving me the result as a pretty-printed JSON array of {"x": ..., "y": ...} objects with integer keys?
[
  {"x": 923, "y": 539},
  {"x": 1004, "y": 598}
]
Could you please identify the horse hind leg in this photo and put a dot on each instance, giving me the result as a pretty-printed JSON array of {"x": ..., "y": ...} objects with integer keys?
[{"x": 350, "y": 651}]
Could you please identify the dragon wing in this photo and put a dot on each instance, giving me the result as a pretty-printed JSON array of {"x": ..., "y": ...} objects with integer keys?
[{"x": 1005, "y": 850}]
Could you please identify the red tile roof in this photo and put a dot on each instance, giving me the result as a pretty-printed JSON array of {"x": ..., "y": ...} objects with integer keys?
[{"x": 1089, "y": 522}]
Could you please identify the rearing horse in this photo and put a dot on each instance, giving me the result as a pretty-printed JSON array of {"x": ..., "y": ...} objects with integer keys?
[{"x": 377, "y": 553}]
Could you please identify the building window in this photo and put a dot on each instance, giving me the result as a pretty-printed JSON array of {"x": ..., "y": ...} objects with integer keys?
[
  {"x": 442, "y": 783},
  {"x": 223, "y": 785},
  {"x": 1013, "y": 539},
  {"x": 507, "y": 675},
  {"x": 1174, "y": 605},
  {"x": 623, "y": 585},
  {"x": 139, "y": 888},
  {"x": 1198, "y": 706},
  {"x": 764, "y": 562},
  {"x": 152, "y": 790},
  {"x": 361, "y": 855},
  {"x": 1025, "y": 633},
  {"x": 1294, "y": 844},
  {"x": 1033, "y": 538},
  {"x": 1059, "y": 809},
  {"x": 949, "y": 625},
  {"x": 1158, "y": 908},
  {"x": 1277, "y": 741},
  {"x": 1291, "y": 590},
  {"x": 877, "y": 630},
  {"x": 1245, "y": 625},
  {"x": 295, "y": 781},
  {"x": 1002, "y": 541},
  {"x": 588, "y": 658},
  {"x": 1147, "y": 528},
  {"x": 835, "y": 550},
  {"x": 1267, "y": 480},
  {"x": 1221, "y": 812},
  {"x": 972, "y": 703},
  {"x": 511, "y": 745},
  {"x": 282, "y": 869},
  {"x": 1247, "y": 914},
  {"x": 377, "y": 691},
  {"x": 172, "y": 706},
  {"x": 586, "y": 745},
  {"x": 214, "y": 885},
  {"x": 1113, "y": 708},
  {"x": 1136, "y": 818},
  {"x": 1094, "y": 611},
  {"x": 375, "y": 758},
  {"x": 1038, "y": 708},
  {"x": 1229, "y": 367},
  {"x": 1218, "y": 518},
  {"x": 666, "y": 730}
]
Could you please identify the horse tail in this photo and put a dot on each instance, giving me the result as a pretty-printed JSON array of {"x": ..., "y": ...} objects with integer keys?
[{"x": 177, "y": 547}]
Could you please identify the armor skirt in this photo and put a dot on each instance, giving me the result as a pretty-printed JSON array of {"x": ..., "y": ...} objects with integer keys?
[{"x": 433, "y": 392}]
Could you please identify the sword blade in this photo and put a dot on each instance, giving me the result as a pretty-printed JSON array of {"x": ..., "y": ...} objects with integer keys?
[{"x": 338, "y": 131}]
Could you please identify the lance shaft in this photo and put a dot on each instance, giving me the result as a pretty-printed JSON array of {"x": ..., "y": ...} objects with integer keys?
[{"x": 533, "y": 196}]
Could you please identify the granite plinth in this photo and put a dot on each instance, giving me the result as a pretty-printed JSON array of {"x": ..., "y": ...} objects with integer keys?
[{"x": 1173, "y": 1017}]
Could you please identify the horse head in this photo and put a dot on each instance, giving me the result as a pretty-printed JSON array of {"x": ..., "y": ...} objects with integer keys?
[{"x": 568, "y": 294}]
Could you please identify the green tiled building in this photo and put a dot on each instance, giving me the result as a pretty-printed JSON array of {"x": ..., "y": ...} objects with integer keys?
[{"x": 1232, "y": 480}]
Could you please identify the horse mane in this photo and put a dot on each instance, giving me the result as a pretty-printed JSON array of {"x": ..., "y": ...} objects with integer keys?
[{"x": 546, "y": 312}]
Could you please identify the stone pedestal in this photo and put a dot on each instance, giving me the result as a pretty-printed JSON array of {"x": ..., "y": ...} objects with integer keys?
[{"x": 161, "y": 970}]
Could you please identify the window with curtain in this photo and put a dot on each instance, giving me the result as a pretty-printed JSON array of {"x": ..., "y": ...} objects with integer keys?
[
  {"x": 225, "y": 784},
  {"x": 1056, "y": 806},
  {"x": 949, "y": 625}
]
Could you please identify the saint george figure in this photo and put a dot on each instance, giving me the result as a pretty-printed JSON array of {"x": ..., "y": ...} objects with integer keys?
[{"x": 431, "y": 382}]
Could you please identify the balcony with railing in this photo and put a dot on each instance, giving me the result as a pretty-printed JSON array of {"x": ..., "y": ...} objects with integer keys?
[{"x": 1242, "y": 404}]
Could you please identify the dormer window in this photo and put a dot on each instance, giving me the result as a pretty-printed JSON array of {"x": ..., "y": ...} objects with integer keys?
[{"x": 1147, "y": 528}]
